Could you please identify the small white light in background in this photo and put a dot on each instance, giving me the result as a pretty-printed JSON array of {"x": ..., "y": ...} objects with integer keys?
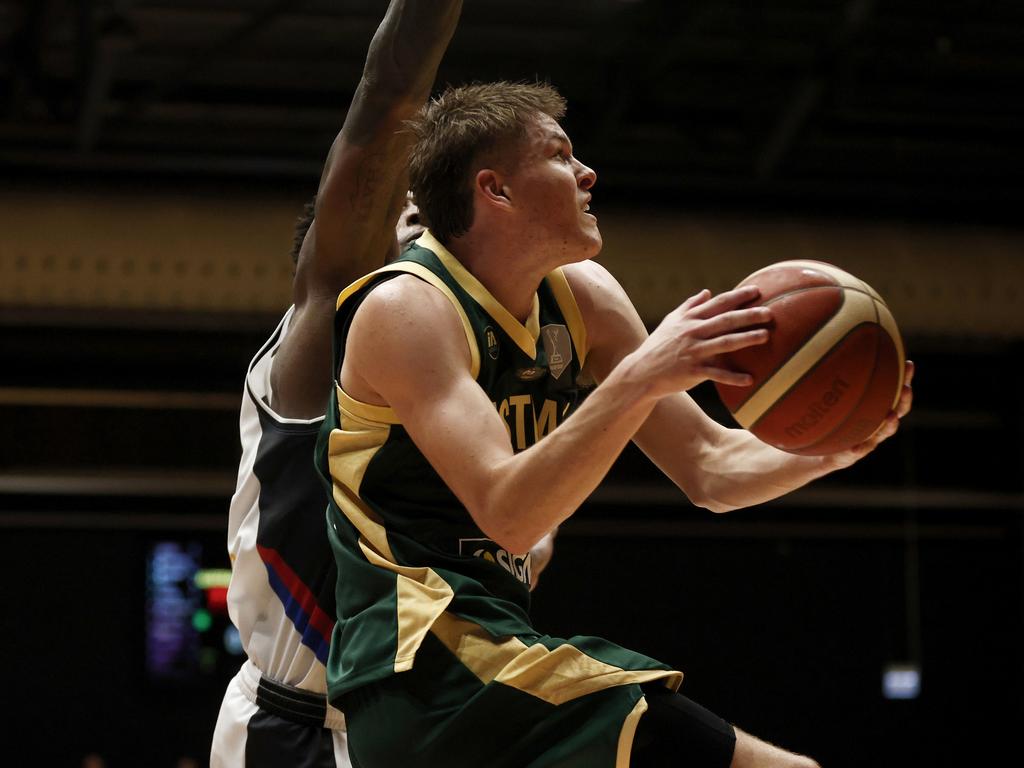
[{"x": 901, "y": 681}]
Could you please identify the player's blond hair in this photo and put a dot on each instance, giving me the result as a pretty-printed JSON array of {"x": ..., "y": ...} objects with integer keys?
[{"x": 454, "y": 134}]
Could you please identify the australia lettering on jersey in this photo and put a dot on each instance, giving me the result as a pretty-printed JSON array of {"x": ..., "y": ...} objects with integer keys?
[
  {"x": 526, "y": 424},
  {"x": 520, "y": 566}
]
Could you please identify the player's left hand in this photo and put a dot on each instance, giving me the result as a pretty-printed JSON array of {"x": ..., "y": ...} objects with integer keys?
[
  {"x": 540, "y": 556},
  {"x": 886, "y": 430}
]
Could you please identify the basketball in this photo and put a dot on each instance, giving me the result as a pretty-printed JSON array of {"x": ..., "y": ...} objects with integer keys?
[{"x": 832, "y": 368}]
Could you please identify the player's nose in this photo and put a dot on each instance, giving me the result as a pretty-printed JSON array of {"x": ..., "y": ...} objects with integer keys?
[{"x": 586, "y": 176}]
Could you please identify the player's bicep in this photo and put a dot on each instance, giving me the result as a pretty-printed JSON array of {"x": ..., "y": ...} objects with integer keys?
[
  {"x": 464, "y": 439},
  {"x": 407, "y": 349}
]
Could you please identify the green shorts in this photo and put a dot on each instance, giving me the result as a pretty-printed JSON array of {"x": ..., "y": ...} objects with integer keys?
[{"x": 514, "y": 702}]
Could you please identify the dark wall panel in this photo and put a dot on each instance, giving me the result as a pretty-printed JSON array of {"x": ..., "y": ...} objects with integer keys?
[
  {"x": 788, "y": 638},
  {"x": 785, "y": 635}
]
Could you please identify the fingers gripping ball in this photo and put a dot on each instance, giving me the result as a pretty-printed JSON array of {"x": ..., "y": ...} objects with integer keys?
[{"x": 832, "y": 369}]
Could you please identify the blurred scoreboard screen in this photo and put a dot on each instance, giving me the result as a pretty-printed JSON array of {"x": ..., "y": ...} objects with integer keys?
[{"x": 189, "y": 636}]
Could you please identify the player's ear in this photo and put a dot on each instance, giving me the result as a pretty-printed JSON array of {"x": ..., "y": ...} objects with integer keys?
[{"x": 490, "y": 185}]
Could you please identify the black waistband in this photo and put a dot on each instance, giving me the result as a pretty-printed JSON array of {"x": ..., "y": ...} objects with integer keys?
[{"x": 294, "y": 704}]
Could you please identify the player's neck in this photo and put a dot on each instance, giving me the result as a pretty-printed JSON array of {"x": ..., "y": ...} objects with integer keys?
[{"x": 510, "y": 275}]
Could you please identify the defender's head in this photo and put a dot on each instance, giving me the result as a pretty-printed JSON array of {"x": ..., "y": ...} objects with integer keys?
[{"x": 407, "y": 229}]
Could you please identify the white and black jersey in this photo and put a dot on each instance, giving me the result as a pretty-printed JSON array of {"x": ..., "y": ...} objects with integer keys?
[{"x": 283, "y": 577}]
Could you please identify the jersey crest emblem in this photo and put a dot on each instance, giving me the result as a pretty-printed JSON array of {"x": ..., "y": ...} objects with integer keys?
[{"x": 557, "y": 347}]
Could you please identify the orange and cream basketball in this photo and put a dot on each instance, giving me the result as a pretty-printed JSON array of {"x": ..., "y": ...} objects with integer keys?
[{"x": 833, "y": 366}]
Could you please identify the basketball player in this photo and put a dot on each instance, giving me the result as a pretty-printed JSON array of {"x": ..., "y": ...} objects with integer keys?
[
  {"x": 281, "y": 596},
  {"x": 453, "y": 363}
]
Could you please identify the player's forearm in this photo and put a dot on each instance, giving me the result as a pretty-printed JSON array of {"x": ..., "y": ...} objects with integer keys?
[
  {"x": 739, "y": 470},
  {"x": 530, "y": 493},
  {"x": 400, "y": 68},
  {"x": 408, "y": 46},
  {"x": 362, "y": 183}
]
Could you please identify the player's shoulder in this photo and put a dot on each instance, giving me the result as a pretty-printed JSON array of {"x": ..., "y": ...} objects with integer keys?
[
  {"x": 612, "y": 322},
  {"x": 587, "y": 269},
  {"x": 402, "y": 290},
  {"x": 593, "y": 286},
  {"x": 590, "y": 276},
  {"x": 403, "y": 327},
  {"x": 406, "y": 304}
]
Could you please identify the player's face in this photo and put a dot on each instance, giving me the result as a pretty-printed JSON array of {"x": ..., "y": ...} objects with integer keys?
[
  {"x": 551, "y": 190},
  {"x": 409, "y": 226}
]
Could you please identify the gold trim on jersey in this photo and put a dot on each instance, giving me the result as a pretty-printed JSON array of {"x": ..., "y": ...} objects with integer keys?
[
  {"x": 627, "y": 734},
  {"x": 420, "y": 271},
  {"x": 570, "y": 311},
  {"x": 567, "y": 673},
  {"x": 421, "y": 595},
  {"x": 382, "y": 414},
  {"x": 476, "y": 649},
  {"x": 367, "y": 413},
  {"x": 555, "y": 676},
  {"x": 421, "y": 598},
  {"x": 525, "y": 336},
  {"x": 349, "y": 451}
]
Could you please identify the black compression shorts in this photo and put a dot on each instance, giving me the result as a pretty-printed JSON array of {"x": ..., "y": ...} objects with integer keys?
[{"x": 676, "y": 731}]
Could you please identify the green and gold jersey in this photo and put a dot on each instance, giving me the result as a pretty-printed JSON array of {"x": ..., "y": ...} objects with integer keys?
[
  {"x": 407, "y": 549},
  {"x": 423, "y": 592}
]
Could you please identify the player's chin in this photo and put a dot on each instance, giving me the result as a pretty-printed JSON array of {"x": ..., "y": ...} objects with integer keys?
[{"x": 581, "y": 248}]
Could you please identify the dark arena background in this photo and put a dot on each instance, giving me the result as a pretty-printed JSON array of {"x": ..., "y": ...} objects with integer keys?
[{"x": 153, "y": 157}]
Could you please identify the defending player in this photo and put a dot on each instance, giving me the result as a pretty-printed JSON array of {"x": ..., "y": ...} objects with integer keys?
[
  {"x": 281, "y": 596},
  {"x": 453, "y": 363}
]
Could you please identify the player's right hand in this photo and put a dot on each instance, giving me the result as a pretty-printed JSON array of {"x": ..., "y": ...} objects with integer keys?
[{"x": 684, "y": 349}]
